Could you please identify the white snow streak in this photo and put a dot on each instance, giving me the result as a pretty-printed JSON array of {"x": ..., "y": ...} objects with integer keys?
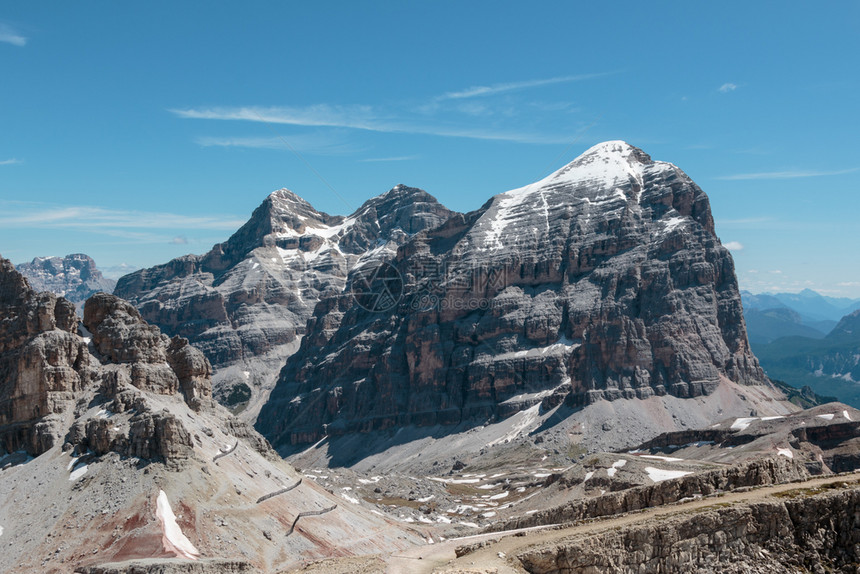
[
  {"x": 615, "y": 466},
  {"x": 173, "y": 539},
  {"x": 348, "y": 498},
  {"x": 526, "y": 419},
  {"x": 786, "y": 452},
  {"x": 827, "y": 417},
  {"x": 743, "y": 423},
  {"x": 659, "y": 474},
  {"x": 78, "y": 472},
  {"x": 664, "y": 458}
]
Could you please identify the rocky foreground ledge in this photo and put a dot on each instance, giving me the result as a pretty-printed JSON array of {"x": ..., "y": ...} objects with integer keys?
[{"x": 801, "y": 532}]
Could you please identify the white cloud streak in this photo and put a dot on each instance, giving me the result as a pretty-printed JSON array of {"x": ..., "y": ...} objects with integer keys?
[
  {"x": 308, "y": 143},
  {"x": 728, "y": 87},
  {"x": 397, "y": 158},
  {"x": 481, "y": 91},
  {"x": 98, "y": 219},
  {"x": 734, "y": 245},
  {"x": 11, "y": 161},
  {"x": 785, "y": 174},
  {"x": 745, "y": 222},
  {"x": 392, "y": 119},
  {"x": 360, "y": 118},
  {"x": 9, "y": 35}
]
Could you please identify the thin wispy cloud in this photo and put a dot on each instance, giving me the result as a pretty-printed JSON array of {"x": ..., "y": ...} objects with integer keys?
[
  {"x": 450, "y": 115},
  {"x": 746, "y": 221},
  {"x": 493, "y": 89},
  {"x": 319, "y": 115},
  {"x": 9, "y": 35},
  {"x": 307, "y": 143},
  {"x": 11, "y": 161},
  {"x": 785, "y": 174},
  {"x": 728, "y": 87},
  {"x": 361, "y": 118},
  {"x": 734, "y": 245},
  {"x": 397, "y": 158},
  {"x": 100, "y": 219}
]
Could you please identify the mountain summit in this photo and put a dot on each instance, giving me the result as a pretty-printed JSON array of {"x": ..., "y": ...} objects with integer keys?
[
  {"x": 245, "y": 302},
  {"x": 602, "y": 282},
  {"x": 74, "y": 276}
]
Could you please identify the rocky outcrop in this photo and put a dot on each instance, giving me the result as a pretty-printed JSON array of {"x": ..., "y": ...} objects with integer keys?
[
  {"x": 603, "y": 281},
  {"x": 245, "y": 303},
  {"x": 74, "y": 277},
  {"x": 799, "y": 534},
  {"x": 50, "y": 376},
  {"x": 132, "y": 430},
  {"x": 43, "y": 364},
  {"x": 158, "y": 364},
  {"x": 777, "y": 470}
]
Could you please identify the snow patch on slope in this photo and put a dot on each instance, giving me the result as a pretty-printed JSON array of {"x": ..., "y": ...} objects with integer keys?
[
  {"x": 173, "y": 539},
  {"x": 743, "y": 422},
  {"x": 786, "y": 452},
  {"x": 609, "y": 166},
  {"x": 615, "y": 466},
  {"x": 78, "y": 472},
  {"x": 526, "y": 419},
  {"x": 660, "y": 474}
]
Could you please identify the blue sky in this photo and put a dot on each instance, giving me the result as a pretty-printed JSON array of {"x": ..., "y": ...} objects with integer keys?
[{"x": 140, "y": 132}]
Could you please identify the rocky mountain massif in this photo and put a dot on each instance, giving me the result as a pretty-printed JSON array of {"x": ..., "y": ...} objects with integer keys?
[
  {"x": 74, "y": 277},
  {"x": 604, "y": 281},
  {"x": 246, "y": 302},
  {"x": 104, "y": 425}
]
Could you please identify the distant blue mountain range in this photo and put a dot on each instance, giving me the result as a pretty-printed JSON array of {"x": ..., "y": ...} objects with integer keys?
[
  {"x": 807, "y": 339},
  {"x": 807, "y": 314}
]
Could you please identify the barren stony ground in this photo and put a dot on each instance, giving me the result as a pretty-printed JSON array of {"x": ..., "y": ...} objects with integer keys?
[{"x": 497, "y": 557}]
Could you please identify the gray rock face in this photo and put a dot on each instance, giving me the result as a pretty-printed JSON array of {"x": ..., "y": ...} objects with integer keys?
[
  {"x": 245, "y": 303},
  {"x": 802, "y": 534},
  {"x": 43, "y": 364},
  {"x": 74, "y": 277},
  {"x": 120, "y": 425},
  {"x": 604, "y": 280},
  {"x": 49, "y": 375},
  {"x": 761, "y": 472}
]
